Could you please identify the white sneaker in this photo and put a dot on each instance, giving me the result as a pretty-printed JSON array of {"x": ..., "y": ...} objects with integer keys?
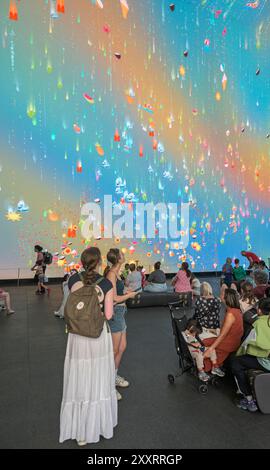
[
  {"x": 121, "y": 382},
  {"x": 203, "y": 376},
  {"x": 218, "y": 371},
  {"x": 81, "y": 443},
  {"x": 118, "y": 395}
]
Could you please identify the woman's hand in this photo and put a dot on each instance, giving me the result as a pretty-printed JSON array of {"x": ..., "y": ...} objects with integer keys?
[
  {"x": 208, "y": 352},
  {"x": 132, "y": 294}
]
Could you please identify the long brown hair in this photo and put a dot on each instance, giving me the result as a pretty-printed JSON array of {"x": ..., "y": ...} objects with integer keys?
[
  {"x": 90, "y": 259},
  {"x": 113, "y": 257},
  {"x": 184, "y": 267},
  {"x": 231, "y": 298},
  {"x": 247, "y": 292}
]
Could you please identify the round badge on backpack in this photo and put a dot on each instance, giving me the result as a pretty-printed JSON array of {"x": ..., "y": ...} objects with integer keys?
[{"x": 80, "y": 305}]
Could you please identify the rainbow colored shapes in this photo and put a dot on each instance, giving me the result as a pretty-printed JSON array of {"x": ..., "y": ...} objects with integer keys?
[
  {"x": 99, "y": 150},
  {"x": 13, "y": 11},
  {"x": 88, "y": 98},
  {"x": 116, "y": 136},
  {"x": 60, "y": 6}
]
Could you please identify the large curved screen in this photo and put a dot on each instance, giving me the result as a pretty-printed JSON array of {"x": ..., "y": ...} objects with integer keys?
[{"x": 141, "y": 124}]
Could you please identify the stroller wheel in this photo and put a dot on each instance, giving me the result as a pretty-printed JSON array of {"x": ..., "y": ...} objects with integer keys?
[
  {"x": 171, "y": 379},
  {"x": 203, "y": 389},
  {"x": 216, "y": 382}
]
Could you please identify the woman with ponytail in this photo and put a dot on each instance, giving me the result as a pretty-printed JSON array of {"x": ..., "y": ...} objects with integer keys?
[
  {"x": 89, "y": 404},
  {"x": 181, "y": 281},
  {"x": 117, "y": 323}
]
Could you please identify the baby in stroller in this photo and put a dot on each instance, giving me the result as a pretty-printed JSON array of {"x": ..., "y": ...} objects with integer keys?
[{"x": 196, "y": 348}]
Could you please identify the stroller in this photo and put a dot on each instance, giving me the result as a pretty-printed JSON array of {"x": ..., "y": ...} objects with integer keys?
[{"x": 186, "y": 362}]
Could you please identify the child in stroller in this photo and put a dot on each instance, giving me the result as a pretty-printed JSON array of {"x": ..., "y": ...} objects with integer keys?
[
  {"x": 180, "y": 324},
  {"x": 196, "y": 348}
]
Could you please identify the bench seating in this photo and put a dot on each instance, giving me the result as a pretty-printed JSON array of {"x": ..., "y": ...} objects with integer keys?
[
  {"x": 154, "y": 299},
  {"x": 260, "y": 382}
]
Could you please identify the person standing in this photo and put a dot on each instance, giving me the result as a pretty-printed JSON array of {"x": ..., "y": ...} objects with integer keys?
[
  {"x": 65, "y": 289},
  {"x": 252, "y": 258},
  {"x": 227, "y": 271},
  {"x": 39, "y": 262},
  {"x": 117, "y": 322},
  {"x": 89, "y": 404},
  {"x": 239, "y": 273}
]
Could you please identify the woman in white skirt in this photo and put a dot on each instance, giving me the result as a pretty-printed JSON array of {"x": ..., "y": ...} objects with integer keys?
[{"x": 89, "y": 404}]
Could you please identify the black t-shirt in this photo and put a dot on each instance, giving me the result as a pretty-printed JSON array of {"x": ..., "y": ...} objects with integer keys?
[{"x": 103, "y": 286}]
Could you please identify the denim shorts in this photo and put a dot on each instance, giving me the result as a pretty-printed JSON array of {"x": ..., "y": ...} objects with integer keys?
[{"x": 117, "y": 322}]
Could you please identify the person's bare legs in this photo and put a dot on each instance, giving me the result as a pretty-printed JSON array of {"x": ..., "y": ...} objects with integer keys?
[
  {"x": 121, "y": 349},
  {"x": 116, "y": 338},
  {"x": 6, "y": 297}
]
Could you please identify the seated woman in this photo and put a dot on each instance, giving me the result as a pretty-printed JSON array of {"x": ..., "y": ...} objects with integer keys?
[
  {"x": 207, "y": 309},
  {"x": 133, "y": 282},
  {"x": 261, "y": 281},
  {"x": 231, "y": 332},
  {"x": 6, "y": 297},
  {"x": 262, "y": 267},
  {"x": 195, "y": 286},
  {"x": 223, "y": 289},
  {"x": 181, "y": 281},
  {"x": 141, "y": 270},
  {"x": 156, "y": 280},
  {"x": 254, "y": 353},
  {"x": 247, "y": 300}
]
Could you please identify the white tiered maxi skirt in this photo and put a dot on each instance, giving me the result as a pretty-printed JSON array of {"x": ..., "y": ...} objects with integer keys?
[{"x": 89, "y": 404}]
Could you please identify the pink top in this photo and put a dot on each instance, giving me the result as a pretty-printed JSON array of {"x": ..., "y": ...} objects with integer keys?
[{"x": 182, "y": 283}]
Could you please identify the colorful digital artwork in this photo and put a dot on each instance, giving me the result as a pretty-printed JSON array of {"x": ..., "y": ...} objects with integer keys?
[{"x": 143, "y": 100}]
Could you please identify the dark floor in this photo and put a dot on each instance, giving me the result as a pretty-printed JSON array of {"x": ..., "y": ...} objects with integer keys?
[{"x": 152, "y": 414}]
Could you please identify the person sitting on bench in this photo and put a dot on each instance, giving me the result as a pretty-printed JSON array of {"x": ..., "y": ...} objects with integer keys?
[
  {"x": 254, "y": 353},
  {"x": 181, "y": 281},
  {"x": 157, "y": 280},
  {"x": 6, "y": 297},
  {"x": 133, "y": 282}
]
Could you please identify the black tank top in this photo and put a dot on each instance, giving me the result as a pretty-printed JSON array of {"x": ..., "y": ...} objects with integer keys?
[{"x": 120, "y": 287}]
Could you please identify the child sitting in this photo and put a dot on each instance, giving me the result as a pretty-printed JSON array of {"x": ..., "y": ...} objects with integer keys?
[{"x": 196, "y": 349}]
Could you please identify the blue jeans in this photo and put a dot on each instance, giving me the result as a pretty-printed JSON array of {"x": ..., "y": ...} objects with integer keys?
[
  {"x": 154, "y": 287},
  {"x": 118, "y": 323}
]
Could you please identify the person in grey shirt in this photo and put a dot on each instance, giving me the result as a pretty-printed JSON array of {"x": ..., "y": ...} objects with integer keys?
[
  {"x": 156, "y": 280},
  {"x": 133, "y": 281}
]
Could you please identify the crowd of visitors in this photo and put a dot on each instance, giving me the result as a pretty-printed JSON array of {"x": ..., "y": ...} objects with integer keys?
[{"x": 92, "y": 363}]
